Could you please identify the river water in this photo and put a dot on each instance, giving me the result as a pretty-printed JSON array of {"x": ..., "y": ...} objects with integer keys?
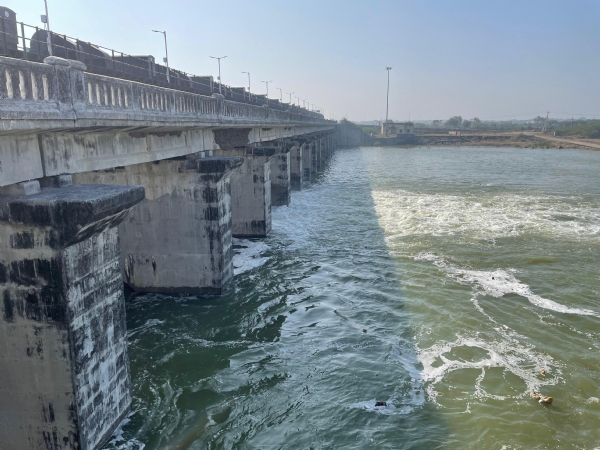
[{"x": 439, "y": 280}]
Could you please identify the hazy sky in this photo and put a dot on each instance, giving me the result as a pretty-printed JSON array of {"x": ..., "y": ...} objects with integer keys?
[{"x": 498, "y": 59}]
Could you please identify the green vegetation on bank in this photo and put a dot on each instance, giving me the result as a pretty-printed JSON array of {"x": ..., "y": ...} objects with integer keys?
[{"x": 589, "y": 129}]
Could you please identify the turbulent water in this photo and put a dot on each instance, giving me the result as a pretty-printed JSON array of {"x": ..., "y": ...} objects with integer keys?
[{"x": 440, "y": 281}]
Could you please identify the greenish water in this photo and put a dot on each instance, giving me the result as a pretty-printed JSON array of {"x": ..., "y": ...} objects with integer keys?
[{"x": 471, "y": 270}]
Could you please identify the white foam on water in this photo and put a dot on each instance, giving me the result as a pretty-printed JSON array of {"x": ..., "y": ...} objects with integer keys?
[
  {"x": 499, "y": 282},
  {"x": 483, "y": 215},
  {"x": 248, "y": 257},
  {"x": 505, "y": 352},
  {"x": 120, "y": 442},
  {"x": 150, "y": 323}
]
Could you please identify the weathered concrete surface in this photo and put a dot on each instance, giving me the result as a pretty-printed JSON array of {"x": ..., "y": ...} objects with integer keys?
[
  {"x": 281, "y": 187},
  {"x": 179, "y": 238},
  {"x": 306, "y": 161},
  {"x": 64, "y": 370},
  {"x": 251, "y": 193},
  {"x": 296, "y": 166},
  {"x": 315, "y": 155},
  {"x": 56, "y": 119}
]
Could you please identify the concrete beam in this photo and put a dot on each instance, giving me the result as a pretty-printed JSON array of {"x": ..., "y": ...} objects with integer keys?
[{"x": 63, "y": 349}]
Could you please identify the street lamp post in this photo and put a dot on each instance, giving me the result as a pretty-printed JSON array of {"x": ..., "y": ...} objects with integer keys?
[
  {"x": 297, "y": 98},
  {"x": 290, "y": 94},
  {"x": 267, "y": 83},
  {"x": 47, "y": 22},
  {"x": 219, "y": 58},
  {"x": 280, "y": 95},
  {"x": 387, "y": 102},
  {"x": 166, "y": 60},
  {"x": 248, "y": 73}
]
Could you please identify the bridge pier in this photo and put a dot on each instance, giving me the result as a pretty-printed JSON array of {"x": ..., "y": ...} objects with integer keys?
[
  {"x": 178, "y": 239},
  {"x": 251, "y": 193},
  {"x": 306, "y": 161},
  {"x": 281, "y": 190},
  {"x": 296, "y": 166},
  {"x": 314, "y": 156},
  {"x": 64, "y": 369}
]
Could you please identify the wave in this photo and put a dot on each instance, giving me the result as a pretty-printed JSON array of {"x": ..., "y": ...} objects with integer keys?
[
  {"x": 484, "y": 215},
  {"x": 247, "y": 255}
]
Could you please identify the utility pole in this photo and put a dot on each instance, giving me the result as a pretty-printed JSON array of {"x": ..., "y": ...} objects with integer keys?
[
  {"x": 46, "y": 20},
  {"x": 387, "y": 102},
  {"x": 219, "y": 58},
  {"x": 280, "y": 95},
  {"x": 166, "y": 60},
  {"x": 545, "y": 123},
  {"x": 290, "y": 94}
]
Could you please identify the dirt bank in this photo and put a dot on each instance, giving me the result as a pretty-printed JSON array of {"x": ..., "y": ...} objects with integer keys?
[{"x": 520, "y": 140}]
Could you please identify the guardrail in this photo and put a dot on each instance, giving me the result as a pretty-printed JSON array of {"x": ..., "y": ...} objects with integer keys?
[
  {"x": 60, "y": 90},
  {"x": 30, "y": 43}
]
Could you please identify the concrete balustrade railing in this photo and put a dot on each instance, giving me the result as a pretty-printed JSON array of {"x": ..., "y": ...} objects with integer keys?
[{"x": 60, "y": 93}]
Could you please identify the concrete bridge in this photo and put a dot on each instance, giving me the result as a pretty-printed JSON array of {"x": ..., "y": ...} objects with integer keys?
[{"x": 105, "y": 181}]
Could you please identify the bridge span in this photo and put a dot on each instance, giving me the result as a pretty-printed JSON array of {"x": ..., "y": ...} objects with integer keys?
[{"x": 106, "y": 181}]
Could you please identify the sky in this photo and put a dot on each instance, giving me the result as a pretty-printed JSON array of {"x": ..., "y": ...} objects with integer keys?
[{"x": 488, "y": 59}]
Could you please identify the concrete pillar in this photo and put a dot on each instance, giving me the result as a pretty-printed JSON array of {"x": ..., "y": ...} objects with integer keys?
[
  {"x": 296, "y": 166},
  {"x": 306, "y": 161},
  {"x": 64, "y": 370},
  {"x": 281, "y": 188},
  {"x": 314, "y": 168},
  {"x": 178, "y": 239},
  {"x": 320, "y": 155},
  {"x": 251, "y": 193}
]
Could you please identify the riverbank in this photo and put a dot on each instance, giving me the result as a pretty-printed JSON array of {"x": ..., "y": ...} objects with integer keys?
[{"x": 515, "y": 140}]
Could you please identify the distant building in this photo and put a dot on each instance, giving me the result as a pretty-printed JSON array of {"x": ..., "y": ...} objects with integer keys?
[{"x": 390, "y": 128}]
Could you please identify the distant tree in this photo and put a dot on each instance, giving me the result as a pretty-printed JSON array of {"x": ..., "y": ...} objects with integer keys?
[
  {"x": 454, "y": 122},
  {"x": 476, "y": 122},
  {"x": 466, "y": 123},
  {"x": 539, "y": 119},
  {"x": 437, "y": 123}
]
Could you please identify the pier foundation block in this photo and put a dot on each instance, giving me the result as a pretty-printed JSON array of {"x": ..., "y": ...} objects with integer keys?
[
  {"x": 178, "y": 239},
  {"x": 296, "y": 168},
  {"x": 64, "y": 370},
  {"x": 251, "y": 193},
  {"x": 306, "y": 161},
  {"x": 281, "y": 188}
]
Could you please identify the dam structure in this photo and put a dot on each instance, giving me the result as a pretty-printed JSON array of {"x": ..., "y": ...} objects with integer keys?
[{"x": 106, "y": 182}]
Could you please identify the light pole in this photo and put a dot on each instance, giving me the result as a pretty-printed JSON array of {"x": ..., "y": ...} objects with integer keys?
[
  {"x": 290, "y": 94},
  {"x": 219, "y": 58},
  {"x": 47, "y": 22},
  {"x": 248, "y": 81},
  {"x": 166, "y": 60},
  {"x": 387, "y": 102},
  {"x": 297, "y": 98},
  {"x": 280, "y": 95},
  {"x": 267, "y": 83}
]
